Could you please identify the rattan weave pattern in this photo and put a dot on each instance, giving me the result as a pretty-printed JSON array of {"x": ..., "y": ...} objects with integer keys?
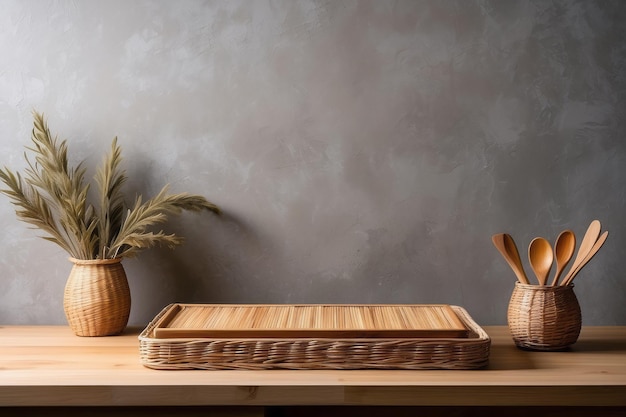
[
  {"x": 544, "y": 317},
  {"x": 97, "y": 297},
  {"x": 216, "y": 354}
]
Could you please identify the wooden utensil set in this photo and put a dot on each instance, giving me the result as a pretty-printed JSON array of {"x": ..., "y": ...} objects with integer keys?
[{"x": 541, "y": 256}]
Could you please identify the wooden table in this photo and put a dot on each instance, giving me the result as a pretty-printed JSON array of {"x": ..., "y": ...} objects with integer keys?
[{"x": 49, "y": 366}]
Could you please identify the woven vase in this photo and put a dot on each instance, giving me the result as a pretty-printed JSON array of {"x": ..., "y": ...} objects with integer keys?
[
  {"x": 97, "y": 297},
  {"x": 544, "y": 317}
]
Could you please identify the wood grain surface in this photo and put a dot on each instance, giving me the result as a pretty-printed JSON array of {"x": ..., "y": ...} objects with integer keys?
[
  {"x": 309, "y": 320},
  {"x": 42, "y": 366}
]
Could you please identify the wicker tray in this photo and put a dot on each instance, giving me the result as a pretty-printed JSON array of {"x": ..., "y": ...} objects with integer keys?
[{"x": 212, "y": 337}]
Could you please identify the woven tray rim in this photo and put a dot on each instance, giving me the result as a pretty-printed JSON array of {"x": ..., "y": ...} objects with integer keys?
[{"x": 478, "y": 340}]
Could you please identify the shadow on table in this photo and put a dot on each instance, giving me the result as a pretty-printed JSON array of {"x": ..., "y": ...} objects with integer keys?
[
  {"x": 509, "y": 357},
  {"x": 598, "y": 346}
]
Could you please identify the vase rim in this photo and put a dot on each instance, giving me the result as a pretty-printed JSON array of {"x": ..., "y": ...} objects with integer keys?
[{"x": 95, "y": 261}]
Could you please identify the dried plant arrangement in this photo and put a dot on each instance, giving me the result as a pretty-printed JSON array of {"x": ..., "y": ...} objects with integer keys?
[{"x": 53, "y": 197}]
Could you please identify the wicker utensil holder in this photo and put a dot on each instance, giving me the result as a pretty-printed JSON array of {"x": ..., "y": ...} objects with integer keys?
[
  {"x": 97, "y": 297},
  {"x": 544, "y": 317}
]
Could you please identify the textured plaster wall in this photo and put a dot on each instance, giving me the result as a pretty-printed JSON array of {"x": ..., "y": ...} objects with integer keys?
[{"x": 363, "y": 151}]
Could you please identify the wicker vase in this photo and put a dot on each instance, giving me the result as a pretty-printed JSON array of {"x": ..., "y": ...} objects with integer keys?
[
  {"x": 544, "y": 317},
  {"x": 97, "y": 297}
]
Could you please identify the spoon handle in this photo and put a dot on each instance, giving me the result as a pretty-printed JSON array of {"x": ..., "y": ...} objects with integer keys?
[
  {"x": 557, "y": 275},
  {"x": 591, "y": 236},
  {"x": 596, "y": 247}
]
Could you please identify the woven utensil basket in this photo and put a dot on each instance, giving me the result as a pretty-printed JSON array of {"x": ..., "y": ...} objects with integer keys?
[
  {"x": 97, "y": 297},
  {"x": 544, "y": 317}
]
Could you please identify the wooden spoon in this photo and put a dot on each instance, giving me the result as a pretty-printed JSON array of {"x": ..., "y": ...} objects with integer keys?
[
  {"x": 590, "y": 238},
  {"x": 596, "y": 247},
  {"x": 507, "y": 248},
  {"x": 563, "y": 250},
  {"x": 540, "y": 256}
]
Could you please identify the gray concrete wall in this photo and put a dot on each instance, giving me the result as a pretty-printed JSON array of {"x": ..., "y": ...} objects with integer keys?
[{"x": 363, "y": 151}]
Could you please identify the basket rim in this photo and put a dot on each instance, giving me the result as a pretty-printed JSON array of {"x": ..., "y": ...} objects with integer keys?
[
  {"x": 107, "y": 261},
  {"x": 546, "y": 288}
]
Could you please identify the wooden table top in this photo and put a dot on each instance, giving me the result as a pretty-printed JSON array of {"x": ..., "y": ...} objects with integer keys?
[{"x": 48, "y": 365}]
